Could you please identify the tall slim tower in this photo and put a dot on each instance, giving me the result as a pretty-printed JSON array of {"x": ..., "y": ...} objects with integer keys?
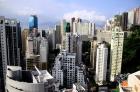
[
  {"x": 116, "y": 52},
  {"x": 124, "y": 21},
  {"x": 101, "y": 63},
  {"x": 93, "y": 52},
  {"x": 3, "y": 54},
  {"x": 137, "y": 16},
  {"x": 24, "y": 35},
  {"x": 33, "y": 22},
  {"x": 43, "y": 50},
  {"x": 131, "y": 18},
  {"x": 63, "y": 31},
  {"x": 69, "y": 42}
]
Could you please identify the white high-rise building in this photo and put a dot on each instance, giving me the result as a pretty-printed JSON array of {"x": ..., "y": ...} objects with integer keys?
[
  {"x": 92, "y": 29},
  {"x": 116, "y": 52},
  {"x": 134, "y": 17},
  {"x": 137, "y": 16},
  {"x": 64, "y": 68},
  {"x": 57, "y": 71},
  {"x": 83, "y": 27},
  {"x": 101, "y": 63},
  {"x": 131, "y": 16},
  {"x": 43, "y": 50}
]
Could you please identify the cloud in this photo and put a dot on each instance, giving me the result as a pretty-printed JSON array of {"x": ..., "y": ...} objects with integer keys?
[
  {"x": 28, "y": 11},
  {"x": 84, "y": 14},
  {"x": 46, "y": 10}
]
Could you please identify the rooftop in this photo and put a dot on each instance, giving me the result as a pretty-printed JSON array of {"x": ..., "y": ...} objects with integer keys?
[{"x": 37, "y": 76}]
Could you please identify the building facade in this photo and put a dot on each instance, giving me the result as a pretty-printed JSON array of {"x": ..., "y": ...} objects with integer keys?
[
  {"x": 44, "y": 50},
  {"x": 11, "y": 45},
  {"x": 101, "y": 64},
  {"x": 124, "y": 21},
  {"x": 134, "y": 81},
  {"x": 80, "y": 75},
  {"x": 137, "y": 16},
  {"x": 64, "y": 68},
  {"x": 57, "y": 71},
  {"x": 11, "y": 28},
  {"x": 116, "y": 52},
  {"x": 3, "y": 54},
  {"x": 30, "y": 81},
  {"x": 69, "y": 68},
  {"x": 33, "y": 22},
  {"x": 69, "y": 42},
  {"x": 24, "y": 36},
  {"x": 134, "y": 17}
]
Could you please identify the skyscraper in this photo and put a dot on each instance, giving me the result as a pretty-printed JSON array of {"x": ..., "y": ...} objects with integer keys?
[
  {"x": 51, "y": 40},
  {"x": 77, "y": 48},
  {"x": 10, "y": 45},
  {"x": 134, "y": 17},
  {"x": 101, "y": 63},
  {"x": 131, "y": 17},
  {"x": 57, "y": 71},
  {"x": 93, "y": 52},
  {"x": 64, "y": 68},
  {"x": 124, "y": 21},
  {"x": 69, "y": 68},
  {"x": 33, "y": 22},
  {"x": 63, "y": 31},
  {"x": 11, "y": 29},
  {"x": 58, "y": 34},
  {"x": 137, "y": 16},
  {"x": 82, "y": 27},
  {"x": 43, "y": 50},
  {"x": 116, "y": 52},
  {"x": 3, "y": 54},
  {"x": 69, "y": 42},
  {"x": 24, "y": 34}
]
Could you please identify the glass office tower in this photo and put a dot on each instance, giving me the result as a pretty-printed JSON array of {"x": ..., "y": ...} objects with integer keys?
[{"x": 33, "y": 22}]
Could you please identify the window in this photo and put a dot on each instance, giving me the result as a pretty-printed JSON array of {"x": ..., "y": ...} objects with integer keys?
[{"x": 1, "y": 21}]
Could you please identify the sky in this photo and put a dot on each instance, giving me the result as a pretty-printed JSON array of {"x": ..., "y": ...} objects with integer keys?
[{"x": 52, "y": 11}]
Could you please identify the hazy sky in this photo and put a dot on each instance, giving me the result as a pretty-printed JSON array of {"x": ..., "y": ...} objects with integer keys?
[{"x": 50, "y": 11}]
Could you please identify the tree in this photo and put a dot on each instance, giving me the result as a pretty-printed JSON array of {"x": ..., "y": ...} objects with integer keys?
[{"x": 131, "y": 51}]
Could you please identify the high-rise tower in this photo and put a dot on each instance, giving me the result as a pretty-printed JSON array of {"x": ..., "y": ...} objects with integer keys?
[
  {"x": 33, "y": 22},
  {"x": 101, "y": 63},
  {"x": 116, "y": 52},
  {"x": 3, "y": 54}
]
